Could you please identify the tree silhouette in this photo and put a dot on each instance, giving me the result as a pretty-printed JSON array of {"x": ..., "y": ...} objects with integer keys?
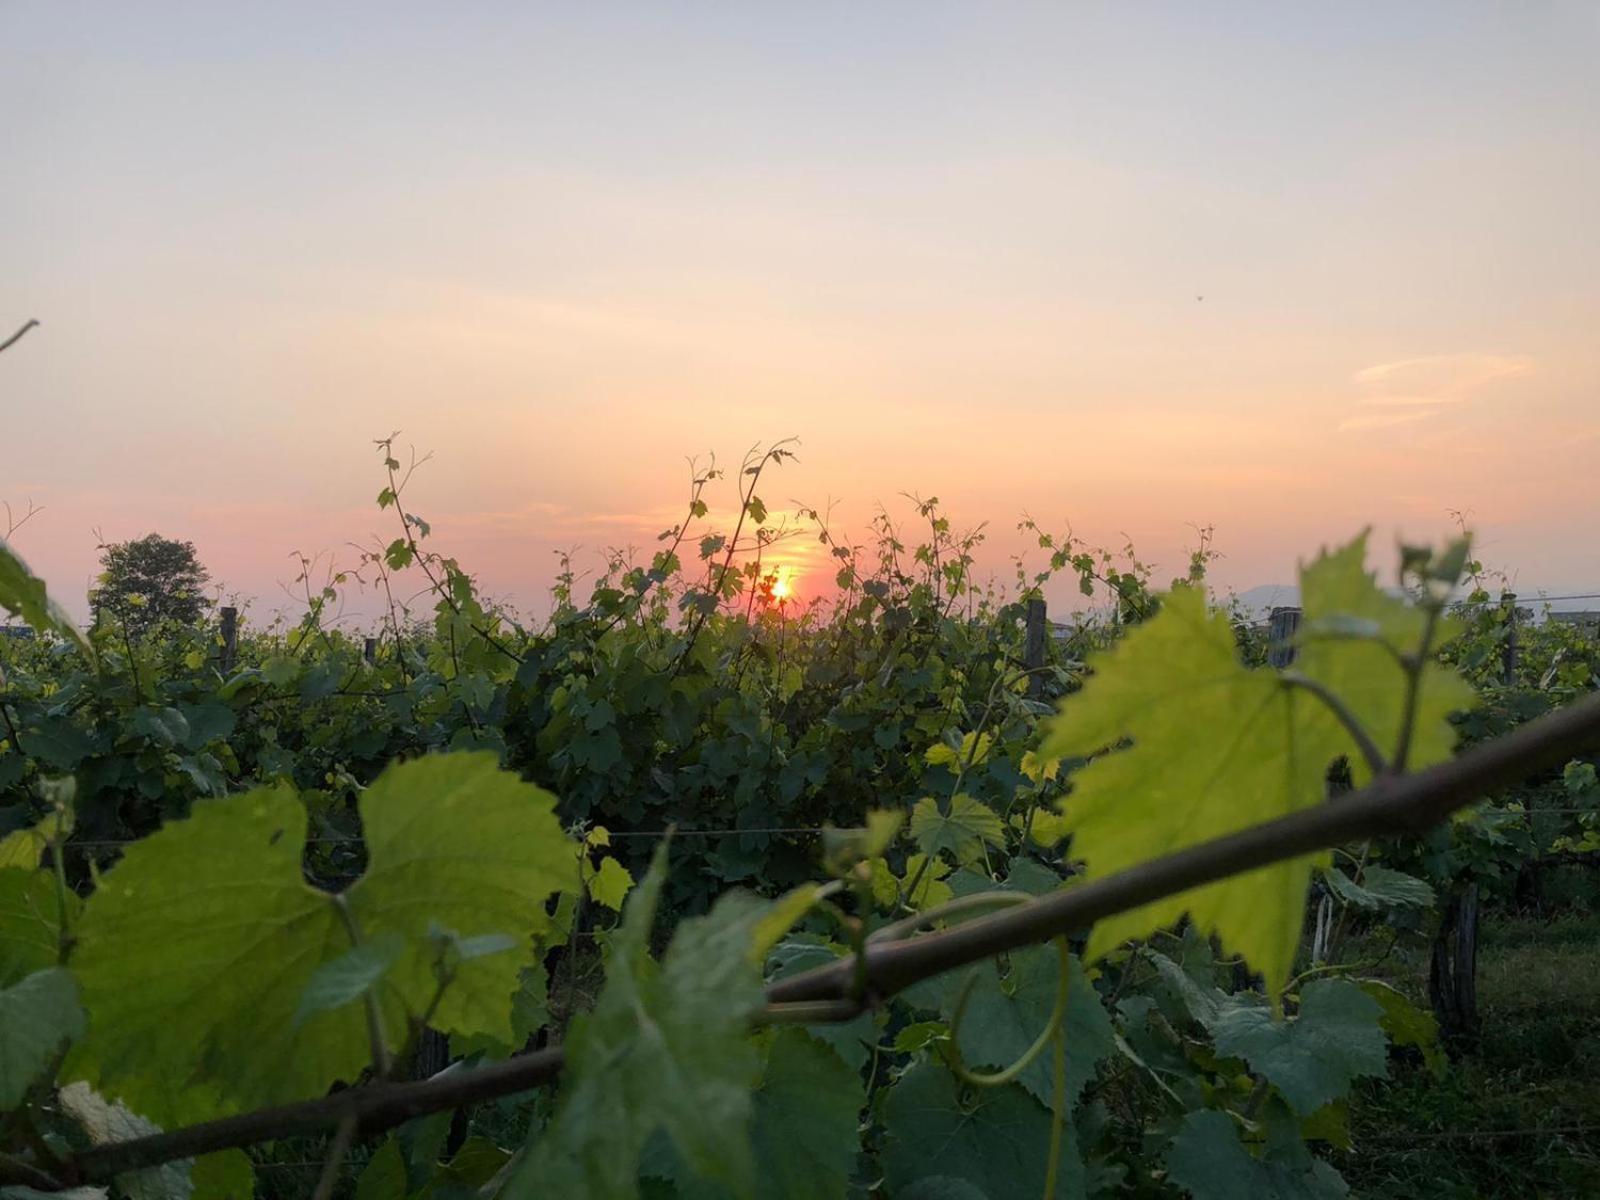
[{"x": 150, "y": 580}]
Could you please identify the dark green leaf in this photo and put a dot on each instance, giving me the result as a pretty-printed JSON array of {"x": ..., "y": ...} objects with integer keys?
[
  {"x": 1313, "y": 1058},
  {"x": 995, "y": 1139}
]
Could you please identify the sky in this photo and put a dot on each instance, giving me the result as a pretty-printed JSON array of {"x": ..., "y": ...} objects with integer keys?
[{"x": 1283, "y": 270}]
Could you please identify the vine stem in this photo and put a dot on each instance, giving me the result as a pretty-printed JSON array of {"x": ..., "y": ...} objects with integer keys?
[
  {"x": 1352, "y": 724},
  {"x": 961, "y": 905},
  {"x": 17, "y": 1170},
  {"x": 329, "y": 1178},
  {"x": 380, "y": 1049},
  {"x": 1391, "y": 805},
  {"x": 17, "y": 336},
  {"x": 1416, "y": 667},
  {"x": 1058, "y": 1093}
]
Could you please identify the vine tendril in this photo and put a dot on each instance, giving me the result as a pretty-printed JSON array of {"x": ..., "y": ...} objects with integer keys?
[{"x": 999, "y": 1078}]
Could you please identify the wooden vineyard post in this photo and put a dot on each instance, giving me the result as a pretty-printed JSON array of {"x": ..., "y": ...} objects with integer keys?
[
  {"x": 1033, "y": 647},
  {"x": 1510, "y": 649},
  {"x": 230, "y": 638},
  {"x": 369, "y": 650},
  {"x": 1282, "y": 624},
  {"x": 1453, "y": 973}
]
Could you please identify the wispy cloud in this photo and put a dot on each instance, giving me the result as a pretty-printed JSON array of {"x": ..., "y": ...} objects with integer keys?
[
  {"x": 1424, "y": 387},
  {"x": 1384, "y": 420}
]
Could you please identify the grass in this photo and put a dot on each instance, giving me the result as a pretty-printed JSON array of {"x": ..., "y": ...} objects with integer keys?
[{"x": 1519, "y": 1114}]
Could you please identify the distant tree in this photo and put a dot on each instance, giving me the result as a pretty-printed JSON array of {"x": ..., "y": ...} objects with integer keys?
[{"x": 150, "y": 580}]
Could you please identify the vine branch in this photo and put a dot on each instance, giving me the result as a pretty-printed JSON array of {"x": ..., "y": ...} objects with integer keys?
[{"x": 17, "y": 336}]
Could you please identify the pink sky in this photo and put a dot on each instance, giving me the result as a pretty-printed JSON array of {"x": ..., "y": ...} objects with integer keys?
[{"x": 957, "y": 252}]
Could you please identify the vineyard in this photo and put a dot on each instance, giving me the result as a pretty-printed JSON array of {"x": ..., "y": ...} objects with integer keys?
[{"x": 690, "y": 890}]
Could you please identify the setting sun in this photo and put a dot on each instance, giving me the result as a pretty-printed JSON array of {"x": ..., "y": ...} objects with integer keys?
[{"x": 783, "y": 584}]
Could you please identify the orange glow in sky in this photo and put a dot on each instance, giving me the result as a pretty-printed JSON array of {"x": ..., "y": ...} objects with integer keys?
[{"x": 783, "y": 584}]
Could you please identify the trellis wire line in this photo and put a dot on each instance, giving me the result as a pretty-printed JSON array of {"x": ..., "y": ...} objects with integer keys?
[
  {"x": 352, "y": 839},
  {"x": 1455, "y": 1134},
  {"x": 773, "y": 831}
]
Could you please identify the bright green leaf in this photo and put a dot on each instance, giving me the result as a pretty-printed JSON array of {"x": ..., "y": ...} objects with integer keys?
[
  {"x": 973, "y": 750},
  {"x": 962, "y": 832},
  {"x": 23, "y": 593},
  {"x": 25, "y": 848},
  {"x": 931, "y": 889},
  {"x": 530, "y": 1012},
  {"x": 1216, "y": 748},
  {"x": 610, "y": 884},
  {"x": 484, "y": 850},
  {"x": 211, "y": 918},
  {"x": 223, "y": 1175},
  {"x": 1364, "y": 673},
  {"x": 30, "y": 923}
]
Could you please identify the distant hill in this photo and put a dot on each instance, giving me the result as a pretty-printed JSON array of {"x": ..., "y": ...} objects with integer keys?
[{"x": 1262, "y": 599}]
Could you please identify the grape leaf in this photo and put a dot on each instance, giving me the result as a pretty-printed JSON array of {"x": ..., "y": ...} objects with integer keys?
[
  {"x": 1216, "y": 748},
  {"x": 610, "y": 884},
  {"x": 994, "y": 1139},
  {"x": 1380, "y": 887},
  {"x": 1363, "y": 672},
  {"x": 30, "y": 923},
  {"x": 211, "y": 917},
  {"x": 1004, "y": 1016},
  {"x": 23, "y": 593},
  {"x": 1313, "y": 1058},
  {"x": 36, "y": 1016},
  {"x": 223, "y": 1175},
  {"x": 1407, "y": 1024},
  {"x": 530, "y": 1012},
  {"x": 962, "y": 831},
  {"x": 664, "y": 1048},
  {"x": 454, "y": 841},
  {"x": 931, "y": 890},
  {"x": 25, "y": 848},
  {"x": 1182, "y": 996},
  {"x": 1208, "y": 1161},
  {"x": 850, "y": 1040},
  {"x": 805, "y": 1131},
  {"x": 384, "y": 1176}
]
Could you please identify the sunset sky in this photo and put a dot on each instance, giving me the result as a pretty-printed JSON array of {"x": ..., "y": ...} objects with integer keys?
[{"x": 1133, "y": 268}]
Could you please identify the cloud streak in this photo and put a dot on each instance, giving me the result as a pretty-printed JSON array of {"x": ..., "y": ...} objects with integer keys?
[{"x": 1410, "y": 390}]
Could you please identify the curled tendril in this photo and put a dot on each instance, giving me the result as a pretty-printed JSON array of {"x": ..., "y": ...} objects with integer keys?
[
  {"x": 1058, "y": 1093},
  {"x": 999, "y": 1078}
]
